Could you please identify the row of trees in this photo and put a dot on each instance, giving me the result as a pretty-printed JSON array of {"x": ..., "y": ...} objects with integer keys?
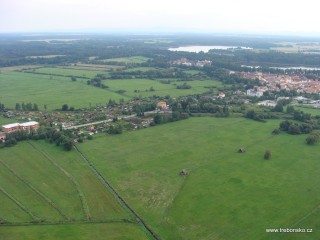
[
  {"x": 97, "y": 81},
  {"x": 165, "y": 118},
  {"x": 199, "y": 104},
  {"x": 65, "y": 107},
  {"x": 26, "y": 107},
  {"x": 2, "y": 107},
  {"x": 63, "y": 139}
]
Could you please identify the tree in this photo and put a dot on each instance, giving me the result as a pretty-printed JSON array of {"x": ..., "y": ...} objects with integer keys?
[
  {"x": 73, "y": 79},
  {"x": 267, "y": 155},
  {"x": 35, "y": 107},
  {"x": 67, "y": 145},
  {"x": 278, "y": 107},
  {"x": 157, "y": 119},
  {"x": 312, "y": 139},
  {"x": 65, "y": 107},
  {"x": 18, "y": 106}
]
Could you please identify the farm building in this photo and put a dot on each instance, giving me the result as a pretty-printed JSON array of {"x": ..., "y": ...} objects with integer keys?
[
  {"x": 9, "y": 128},
  {"x": 162, "y": 104},
  {"x": 27, "y": 126}
]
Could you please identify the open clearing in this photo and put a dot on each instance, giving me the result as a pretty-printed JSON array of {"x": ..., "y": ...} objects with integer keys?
[
  {"x": 68, "y": 72},
  {"x": 127, "y": 60},
  {"x": 143, "y": 87},
  {"x": 51, "y": 90},
  {"x": 54, "y": 91},
  {"x": 227, "y": 195}
]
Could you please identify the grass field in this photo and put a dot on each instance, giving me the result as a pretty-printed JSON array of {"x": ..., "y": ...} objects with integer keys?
[
  {"x": 227, "y": 195},
  {"x": 69, "y": 72},
  {"x": 142, "y": 85},
  {"x": 127, "y": 60},
  {"x": 98, "y": 67},
  {"x": 142, "y": 69},
  {"x": 53, "y": 91},
  {"x": 59, "y": 190},
  {"x": 17, "y": 68},
  {"x": 100, "y": 231},
  {"x": 312, "y": 111}
]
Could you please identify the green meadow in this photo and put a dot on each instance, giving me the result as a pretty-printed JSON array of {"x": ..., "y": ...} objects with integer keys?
[
  {"x": 127, "y": 60},
  {"x": 226, "y": 195},
  {"x": 54, "y": 91},
  {"x": 312, "y": 111},
  {"x": 45, "y": 86},
  {"x": 141, "y": 87},
  {"x": 51, "y": 194},
  {"x": 68, "y": 72}
]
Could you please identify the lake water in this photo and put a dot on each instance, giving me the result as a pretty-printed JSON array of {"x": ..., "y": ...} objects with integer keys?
[{"x": 205, "y": 49}]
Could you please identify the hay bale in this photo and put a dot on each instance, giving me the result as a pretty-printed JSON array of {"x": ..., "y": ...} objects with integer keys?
[
  {"x": 242, "y": 150},
  {"x": 183, "y": 172}
]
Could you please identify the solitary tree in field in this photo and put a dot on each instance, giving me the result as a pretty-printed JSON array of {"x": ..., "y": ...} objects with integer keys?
[
  {"x": 267, "y": 155},
  {"x": 73, "y": 79}
]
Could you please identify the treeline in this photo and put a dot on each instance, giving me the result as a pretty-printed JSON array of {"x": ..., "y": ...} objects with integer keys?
[
  {"x": 2, "y": 107},
  {"x": 200, "y": 104},
  {"x": 51, "y": 135},
  {"x": 151, "y": 74},
  {"x": 225, "y": 77},
  {"x": 261, "y": 116},
  {"x": 97, "y": 81},
  {"x": 166, "y": 118},
  {"x": 139, "y": 109},
  {"x": 184, "y": 86},
  {"x": 26, "y": 107},
  {"x": 264, "y": 59},
  {"x": 298, "y": 128}
]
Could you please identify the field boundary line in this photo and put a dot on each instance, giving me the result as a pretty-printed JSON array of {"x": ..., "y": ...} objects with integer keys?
[
  {"x": 43, "y": 196},
  {"x": 19, "y": 204},
  {"x": 314, "y": 210},
  {"x": 17, "y": 224},
  {"x": 116, "y": 194},
  {"x": 84, "y": 204}
]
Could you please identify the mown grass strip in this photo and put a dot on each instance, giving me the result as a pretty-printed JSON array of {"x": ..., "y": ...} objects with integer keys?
[
  {"x": 42, "y": 195},
  {"x": 20, "y": 205},
  {"x": 115, "y": 193},
  {"x": 84, "y": 204}
]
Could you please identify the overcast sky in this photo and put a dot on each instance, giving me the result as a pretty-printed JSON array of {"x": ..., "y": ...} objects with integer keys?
[{"x": 215, "y": 16}]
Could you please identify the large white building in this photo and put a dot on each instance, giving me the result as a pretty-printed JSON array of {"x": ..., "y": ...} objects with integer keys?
[{"x": 27, "y": 126}]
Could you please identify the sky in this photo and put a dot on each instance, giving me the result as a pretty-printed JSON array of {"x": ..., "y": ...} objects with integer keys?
[{"x": 207, "y": 16}]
